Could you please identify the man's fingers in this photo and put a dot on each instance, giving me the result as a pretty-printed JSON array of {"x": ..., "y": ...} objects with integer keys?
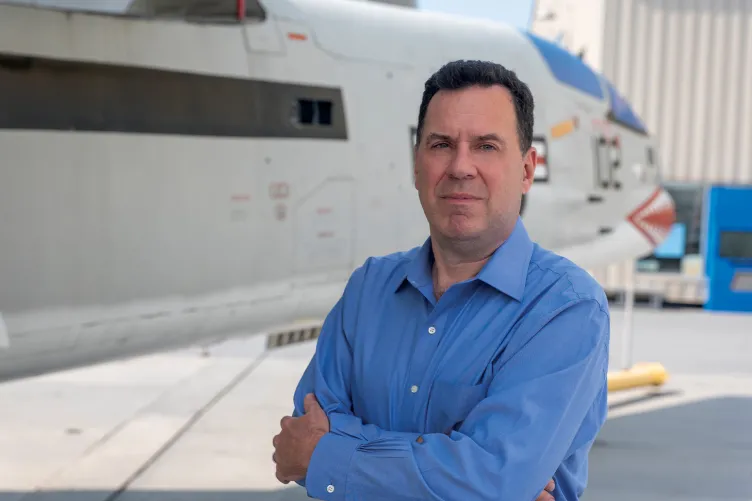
[
  {"x": 283, "y": 477},
  {"x": 280, "y": 477},
  {"x": 310, "y": 403},
  {"x": 545, "y": 496},
  {"x": 275, "y": 441},
  {"x": 284, "y": 421}
]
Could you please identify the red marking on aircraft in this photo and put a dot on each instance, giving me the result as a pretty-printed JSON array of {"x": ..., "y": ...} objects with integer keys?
[
  {"x": 279, "y": 190},
  {"x": 654, "y": 217}
]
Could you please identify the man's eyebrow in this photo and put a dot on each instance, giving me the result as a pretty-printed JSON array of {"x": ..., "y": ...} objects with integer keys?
[
  {"x": 491, "y": 137},
  {"x": 436, "y": 136}
]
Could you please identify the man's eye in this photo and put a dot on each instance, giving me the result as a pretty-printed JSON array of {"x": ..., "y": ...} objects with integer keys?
[
  {"x": 438, "y": 145},
  {"x": 488, "y": 147}
]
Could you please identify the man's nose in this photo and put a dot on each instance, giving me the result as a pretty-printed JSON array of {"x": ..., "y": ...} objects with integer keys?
[{"x": 461, "y": 165}]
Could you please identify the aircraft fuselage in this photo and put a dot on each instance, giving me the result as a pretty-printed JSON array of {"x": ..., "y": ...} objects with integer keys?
[{"x": 165, "y": 183}]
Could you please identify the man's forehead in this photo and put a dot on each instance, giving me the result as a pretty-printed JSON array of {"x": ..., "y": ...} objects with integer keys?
[
  {"x": 465, "y": 126},
  {"x": 475, "y": 104},
  {"x": 475, "y": 94}
]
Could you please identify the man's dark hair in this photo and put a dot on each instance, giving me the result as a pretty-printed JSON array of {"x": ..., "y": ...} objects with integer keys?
[{"x": 461, "y": 74}]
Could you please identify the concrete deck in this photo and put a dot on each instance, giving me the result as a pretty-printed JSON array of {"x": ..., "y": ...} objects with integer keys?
[{"x": 182, "y": 426}]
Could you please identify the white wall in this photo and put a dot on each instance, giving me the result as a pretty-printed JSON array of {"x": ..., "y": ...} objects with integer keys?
[{"x": 686, "y": 67}]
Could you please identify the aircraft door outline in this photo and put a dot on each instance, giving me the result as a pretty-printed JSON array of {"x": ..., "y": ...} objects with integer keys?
[{"x": 324, "y": 226}]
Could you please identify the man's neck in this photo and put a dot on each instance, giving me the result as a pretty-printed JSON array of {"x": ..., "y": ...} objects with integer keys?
[{"x": 455, "y": 263}]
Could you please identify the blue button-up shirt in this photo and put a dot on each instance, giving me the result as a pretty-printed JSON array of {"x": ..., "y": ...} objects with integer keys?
[{"x": 485, "y": 394}]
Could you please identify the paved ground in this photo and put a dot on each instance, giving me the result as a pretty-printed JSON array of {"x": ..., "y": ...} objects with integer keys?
[
  {"x": 695, "y": 442},
  {"x": 180, "y": 426}
]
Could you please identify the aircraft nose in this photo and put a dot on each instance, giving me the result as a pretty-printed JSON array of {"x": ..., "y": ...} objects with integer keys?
[{"x": 655, "y": 216}]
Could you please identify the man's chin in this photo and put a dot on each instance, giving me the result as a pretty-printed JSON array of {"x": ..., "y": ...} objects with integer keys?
[{"x": 462, "y": 232}]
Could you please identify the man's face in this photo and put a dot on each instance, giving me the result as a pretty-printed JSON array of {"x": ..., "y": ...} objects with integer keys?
[{"x": 469, "y": 171}]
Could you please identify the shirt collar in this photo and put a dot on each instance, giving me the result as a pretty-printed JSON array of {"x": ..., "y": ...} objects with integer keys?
[{"x": 506, "y": 270}]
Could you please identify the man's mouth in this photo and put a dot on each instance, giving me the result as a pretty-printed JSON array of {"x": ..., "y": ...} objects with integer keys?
[{"x": 461, "y": 196}]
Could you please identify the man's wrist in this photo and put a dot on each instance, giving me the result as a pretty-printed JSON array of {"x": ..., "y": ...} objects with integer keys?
[
  {"x": 328, "y": 467},
  {"x": 317, "y": 436}
]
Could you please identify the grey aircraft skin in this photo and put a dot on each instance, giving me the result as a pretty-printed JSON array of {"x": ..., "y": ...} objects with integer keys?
[{"x": 173, "y": 177}]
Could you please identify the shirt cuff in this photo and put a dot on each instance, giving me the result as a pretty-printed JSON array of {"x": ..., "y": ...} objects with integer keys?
[{"x": 330, "y": 463}]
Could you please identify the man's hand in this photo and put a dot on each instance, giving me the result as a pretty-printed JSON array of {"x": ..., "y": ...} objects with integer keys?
[
  {"x": 547, "y": 494},
  {"x": 294, "y": 445}
]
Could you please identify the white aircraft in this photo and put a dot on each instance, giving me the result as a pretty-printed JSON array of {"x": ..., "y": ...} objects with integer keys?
[{"x": 187, "y": 170}]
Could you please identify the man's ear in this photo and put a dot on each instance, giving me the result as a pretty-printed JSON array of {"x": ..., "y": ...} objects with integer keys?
[
  {"x": 530, "y": 161},
  {"x": 415, "y": 166}
]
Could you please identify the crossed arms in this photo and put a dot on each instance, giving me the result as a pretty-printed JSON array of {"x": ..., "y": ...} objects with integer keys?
[{"x": 547, "y": 400}]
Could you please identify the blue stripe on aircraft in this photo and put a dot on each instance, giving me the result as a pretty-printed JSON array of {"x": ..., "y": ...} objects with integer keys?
[
  {"x": 568, "y": 68},
  {"x": 622, "y": 112}
]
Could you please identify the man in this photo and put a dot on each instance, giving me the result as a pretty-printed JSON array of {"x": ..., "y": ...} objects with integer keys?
[{"x": 473, "y": 367}]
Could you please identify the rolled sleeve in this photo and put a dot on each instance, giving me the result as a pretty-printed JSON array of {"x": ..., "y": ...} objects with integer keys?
[{"x": 330, "y": 463}]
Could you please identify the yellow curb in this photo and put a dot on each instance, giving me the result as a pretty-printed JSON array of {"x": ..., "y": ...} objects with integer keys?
[{"x": 641, "y": 374}]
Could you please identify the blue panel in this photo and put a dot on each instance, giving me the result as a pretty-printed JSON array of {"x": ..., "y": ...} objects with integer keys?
[
  {"x": 673, "y": 246},
  {"x": 568, "y": 68},
  {"x": 728, "y": 277},
  {"x": 622, "y": 111}
]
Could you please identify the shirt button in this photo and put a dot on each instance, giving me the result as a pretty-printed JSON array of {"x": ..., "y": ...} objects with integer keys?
[
  {"x": 419, "y": 440},
  {"x": 329, "y": 489},
  {"x": 414, "y": 389},
  {"x": 432, "y": 330}
]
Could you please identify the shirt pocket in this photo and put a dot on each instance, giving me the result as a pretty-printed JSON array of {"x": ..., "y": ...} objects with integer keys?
[{"x": 450, "y": 403}]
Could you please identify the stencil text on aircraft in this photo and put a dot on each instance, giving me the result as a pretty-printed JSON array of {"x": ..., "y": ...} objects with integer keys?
[{"x": 279, "y": 190}]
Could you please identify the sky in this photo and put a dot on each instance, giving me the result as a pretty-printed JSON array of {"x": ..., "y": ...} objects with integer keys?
[{"x": 514, "y": 12}]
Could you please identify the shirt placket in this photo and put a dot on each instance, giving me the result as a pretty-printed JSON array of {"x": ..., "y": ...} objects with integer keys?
[{"x": 428, "y": 334}]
